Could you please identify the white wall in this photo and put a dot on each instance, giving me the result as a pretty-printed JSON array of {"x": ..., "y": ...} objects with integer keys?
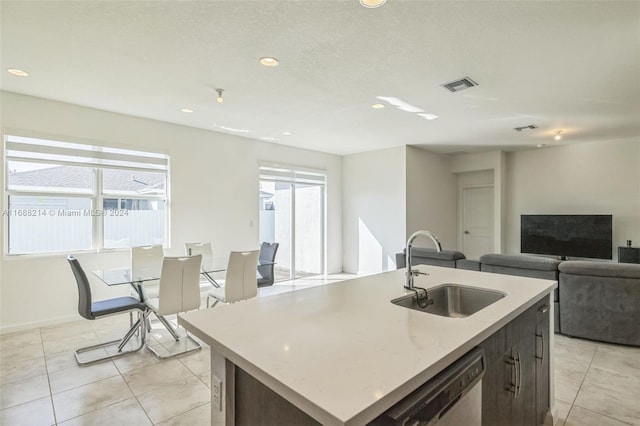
[
  {"x": 373, "y": 209},
  {"x": 589, "y": 178},
  {"x": 214, "y": 197},
  {"x": 431, "y": 197},
  {"x": 480, "y": 178}
]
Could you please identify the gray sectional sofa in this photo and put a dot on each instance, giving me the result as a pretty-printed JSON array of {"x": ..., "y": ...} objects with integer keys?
[
  {"x": 600, "y": 301},
  {"x": 594, "y": 300},
  {"x": 525, "y": 266}
]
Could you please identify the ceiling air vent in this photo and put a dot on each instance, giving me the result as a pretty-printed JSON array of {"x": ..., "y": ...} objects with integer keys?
[
  {"x": 461, "y": 84},
  {"x": 529, "y": 127}
]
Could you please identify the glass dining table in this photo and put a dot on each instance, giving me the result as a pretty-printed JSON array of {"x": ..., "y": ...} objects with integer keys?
[{"x": 124, "y": 275}]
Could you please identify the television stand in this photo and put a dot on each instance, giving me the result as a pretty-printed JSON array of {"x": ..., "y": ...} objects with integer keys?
[{"x": 628, "y": 254}]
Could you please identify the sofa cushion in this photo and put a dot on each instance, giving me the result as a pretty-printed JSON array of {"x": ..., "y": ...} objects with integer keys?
[
  {"x": 468, "y": 264},
  {"x": 600, "y": 269},
  {"x": 429, "y": 256},
  {"x": 451, "y": 255},
  {"x": 522, "y": 265},
  {"x": 520, "y": 261}
]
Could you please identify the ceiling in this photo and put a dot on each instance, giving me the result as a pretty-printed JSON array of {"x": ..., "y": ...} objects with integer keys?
[{"x": 567, "y": 65}]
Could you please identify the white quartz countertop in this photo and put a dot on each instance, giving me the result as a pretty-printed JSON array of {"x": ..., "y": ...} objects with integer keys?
[{"x": 342, "y": 352}]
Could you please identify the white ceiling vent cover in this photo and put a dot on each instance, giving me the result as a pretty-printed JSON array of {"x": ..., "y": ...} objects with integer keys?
[{"x": 461, "y": 84}]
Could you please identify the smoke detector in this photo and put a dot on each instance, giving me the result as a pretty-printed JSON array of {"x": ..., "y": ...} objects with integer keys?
[
  {"x": 460, "y": 84},
  {"x": 529, "y": 127}
]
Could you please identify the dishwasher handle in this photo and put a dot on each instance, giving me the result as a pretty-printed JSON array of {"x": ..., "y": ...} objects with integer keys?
[{"x": 427, "y": 404}]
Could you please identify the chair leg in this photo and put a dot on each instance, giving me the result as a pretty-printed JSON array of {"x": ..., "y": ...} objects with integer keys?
[
  {"x": 121, "y": 344},
  {"x": 196, "y": 347},
  {"x": 215, "y": 301},
  {"x": 168, "y": 326}
]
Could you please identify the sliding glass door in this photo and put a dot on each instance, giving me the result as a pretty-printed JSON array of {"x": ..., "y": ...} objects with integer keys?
[{"x": 292, "y": 213}]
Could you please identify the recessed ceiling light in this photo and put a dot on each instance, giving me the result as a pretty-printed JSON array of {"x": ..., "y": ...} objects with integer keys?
[
  {"x": 265, "y": 138},
  {"x": 187, "y": 110},
  {"x": 269, "y": 61},
  {"x": 287, "y": 133},
  {"x": 540, "y": 145},
  {"x": 377, "y": 106},
  {"x": 18, "y": 72},
  {"x": 558, "y": 136},
  {"x": 428, "y": 116},
  {"x": 371, "y": 4}
]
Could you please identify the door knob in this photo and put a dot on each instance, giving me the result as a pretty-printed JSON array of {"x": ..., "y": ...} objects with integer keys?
[{"x": 467, "y": 232}]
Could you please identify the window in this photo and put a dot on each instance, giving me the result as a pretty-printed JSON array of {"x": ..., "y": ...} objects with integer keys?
[
  {"x": 292, "y": 213},
  {"x": 65, "y": 196}
]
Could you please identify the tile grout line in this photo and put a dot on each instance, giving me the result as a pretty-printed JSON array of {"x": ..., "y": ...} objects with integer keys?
[
  {"x": 588, "y": 409},
  {"x": 46, "y": 369},
  {"x": 132, "y": 392},
  {"x": 581, "y": 383},
  {"x": 76, "y": 387}
]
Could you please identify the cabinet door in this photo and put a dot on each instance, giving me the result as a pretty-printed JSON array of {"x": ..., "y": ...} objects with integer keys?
[
  {"x": 498, "y": 387},
  {"x": 542, "y": 369},
  {"x": 524, "y": 411}
]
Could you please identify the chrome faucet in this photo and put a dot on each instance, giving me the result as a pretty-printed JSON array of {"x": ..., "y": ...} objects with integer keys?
[{"x": 410, "y": 272}]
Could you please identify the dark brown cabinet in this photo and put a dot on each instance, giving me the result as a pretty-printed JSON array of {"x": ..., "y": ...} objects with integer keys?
[
  {"x": 542, "y": 370},
  {"x": 515, "y": 387}
]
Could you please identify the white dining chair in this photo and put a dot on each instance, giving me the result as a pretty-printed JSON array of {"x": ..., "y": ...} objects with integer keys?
[
  {"x": 146, "y": 261},
  {"x": 206, "y": 280},
  {"x": 179, "y": 291},
  {"x": 240, "y": 279}
]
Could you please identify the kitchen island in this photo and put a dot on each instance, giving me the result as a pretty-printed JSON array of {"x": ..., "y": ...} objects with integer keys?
[{"x": 342, "y": 354}]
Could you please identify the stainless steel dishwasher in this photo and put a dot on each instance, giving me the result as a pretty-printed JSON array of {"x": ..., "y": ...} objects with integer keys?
[{"x": 453, "y": 397}]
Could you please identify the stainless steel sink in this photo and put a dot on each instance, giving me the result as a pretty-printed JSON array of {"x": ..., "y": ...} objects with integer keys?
[{"x": 451, "y": 300}]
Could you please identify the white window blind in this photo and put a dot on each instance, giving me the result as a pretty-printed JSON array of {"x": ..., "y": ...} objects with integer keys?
[
  {"x": 291, "y": 174},
  {"x": 33, "y": 150}
]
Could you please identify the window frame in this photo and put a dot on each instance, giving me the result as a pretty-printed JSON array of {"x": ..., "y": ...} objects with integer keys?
[{"x": 96, "y": 193}]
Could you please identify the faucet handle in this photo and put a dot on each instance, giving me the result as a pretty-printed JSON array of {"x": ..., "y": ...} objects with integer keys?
[{"x": 415, "y": 273}]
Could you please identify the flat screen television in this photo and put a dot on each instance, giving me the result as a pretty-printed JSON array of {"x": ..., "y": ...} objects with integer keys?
[{"x": 567, "y": 235}]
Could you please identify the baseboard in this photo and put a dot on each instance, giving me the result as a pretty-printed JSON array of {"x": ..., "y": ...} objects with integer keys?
[{"x": 37, "y": 324}]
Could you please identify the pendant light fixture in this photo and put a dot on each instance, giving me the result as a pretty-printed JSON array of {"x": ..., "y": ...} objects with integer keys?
[
  {"x": 558, "y": 135},
  {"x": 220, "y": 100}
]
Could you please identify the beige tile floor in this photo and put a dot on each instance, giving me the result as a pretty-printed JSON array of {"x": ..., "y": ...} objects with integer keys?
[
  {"x": 41, "y": 384},
  {"x": 597, "y": 384}
]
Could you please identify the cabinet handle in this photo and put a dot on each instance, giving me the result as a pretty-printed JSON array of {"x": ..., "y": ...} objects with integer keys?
[
  {"x": 543, "y": 309},
  {"x": 541, "y": 358},
  {"x": 518, "y": 373},
  {"x": 513, "y": 387}
]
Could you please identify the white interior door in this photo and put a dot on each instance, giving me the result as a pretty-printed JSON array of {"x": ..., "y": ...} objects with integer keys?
[{"x": 477, "y": 221}]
